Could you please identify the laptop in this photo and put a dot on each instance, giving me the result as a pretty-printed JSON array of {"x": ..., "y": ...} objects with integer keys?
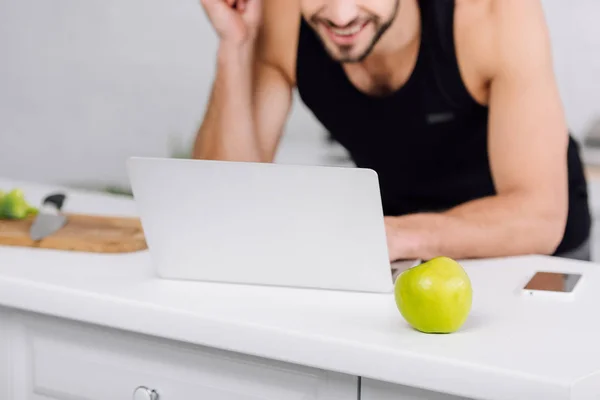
[{"x": 300, "y": 226}]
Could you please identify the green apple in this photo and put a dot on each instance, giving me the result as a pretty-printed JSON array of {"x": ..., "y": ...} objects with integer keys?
[{"x": 435, "y": 296}]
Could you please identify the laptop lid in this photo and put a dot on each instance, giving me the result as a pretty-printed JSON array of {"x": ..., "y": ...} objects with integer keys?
[{"x": 260, "y": 223}]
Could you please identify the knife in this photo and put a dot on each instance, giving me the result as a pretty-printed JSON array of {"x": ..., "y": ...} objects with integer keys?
[{"x": 49, "y": 218}]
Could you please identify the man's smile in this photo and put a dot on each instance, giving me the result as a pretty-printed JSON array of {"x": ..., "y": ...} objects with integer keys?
[{"x": 347, "y": 35}]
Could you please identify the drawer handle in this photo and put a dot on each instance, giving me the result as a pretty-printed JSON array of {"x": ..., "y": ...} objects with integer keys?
[{"x": 143, "y": 393}]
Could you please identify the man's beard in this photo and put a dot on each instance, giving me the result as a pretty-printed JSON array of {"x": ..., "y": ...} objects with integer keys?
[{"x": 343, "y": 54}]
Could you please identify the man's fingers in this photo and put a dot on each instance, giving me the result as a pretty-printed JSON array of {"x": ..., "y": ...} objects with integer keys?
[
  {"x": 252, "y": 10},
  {"x": 216, "y": 9},
  {"x": 207, "y": 3},
  {"x": 213, "y": 4}
]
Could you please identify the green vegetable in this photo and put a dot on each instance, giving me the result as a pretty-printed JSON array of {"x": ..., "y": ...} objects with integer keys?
[
  {"x": 2, "y": 195},
  {"x": 13, "y": 205}
]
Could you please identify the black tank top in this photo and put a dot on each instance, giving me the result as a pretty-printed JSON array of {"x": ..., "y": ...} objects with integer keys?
[{"x": 428, "y": 140}]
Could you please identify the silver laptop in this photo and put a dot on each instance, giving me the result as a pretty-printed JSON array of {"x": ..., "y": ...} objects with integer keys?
[{"x": 266, "y": 224}]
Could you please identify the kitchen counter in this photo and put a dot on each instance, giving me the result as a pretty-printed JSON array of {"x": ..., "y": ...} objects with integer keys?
[{"x": 512, "y": 347}]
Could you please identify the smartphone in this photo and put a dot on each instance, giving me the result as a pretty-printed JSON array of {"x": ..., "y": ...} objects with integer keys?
[{"x": 557, "y": 284}]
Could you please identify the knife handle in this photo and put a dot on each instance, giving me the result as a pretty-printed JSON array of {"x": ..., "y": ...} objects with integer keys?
[{"x": 57, "y": 200}]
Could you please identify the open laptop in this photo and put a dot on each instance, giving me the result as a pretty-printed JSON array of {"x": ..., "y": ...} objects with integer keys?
[{"x": 266, "y": 224}]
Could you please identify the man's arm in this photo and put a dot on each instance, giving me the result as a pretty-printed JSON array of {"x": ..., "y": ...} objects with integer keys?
[
  {"x": 527, "y": 147},
  {"x": 246, "y": 112},
  {"x": 251, "y": 95}
]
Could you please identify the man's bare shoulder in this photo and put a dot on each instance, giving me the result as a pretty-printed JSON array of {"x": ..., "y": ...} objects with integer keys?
[
  {"x": 473, "y": 37},
  {"x": 489, "y": 33},
  {"x": 278, "y": 37},
  {"x": 520, "y": 31}
]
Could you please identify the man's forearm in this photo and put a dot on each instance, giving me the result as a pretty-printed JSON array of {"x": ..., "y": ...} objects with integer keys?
[
  {"x": 490, "y": 227},
  {"x": 228, "y": 129}
]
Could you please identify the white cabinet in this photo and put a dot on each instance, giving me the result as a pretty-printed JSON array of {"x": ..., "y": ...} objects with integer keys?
[
  {"x": 377, "y": 390},
  {"x": 5, "y": 361},
  {"x": 52, "y": 359}
]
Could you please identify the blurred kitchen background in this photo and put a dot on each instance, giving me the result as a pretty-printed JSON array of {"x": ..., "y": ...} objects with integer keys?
[{"x": 84, "y": 84}]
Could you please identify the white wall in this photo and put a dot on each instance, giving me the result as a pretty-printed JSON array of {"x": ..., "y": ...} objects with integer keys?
[
  {"x": 86, "y": 83},
  {"x": 575, "y": 33}
]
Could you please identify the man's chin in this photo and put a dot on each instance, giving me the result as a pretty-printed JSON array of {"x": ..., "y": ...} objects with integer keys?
[
  {"x": 348, "y": 57},
  {"x": 346, "y": 54},
  {"x": 353, "y": 59}
]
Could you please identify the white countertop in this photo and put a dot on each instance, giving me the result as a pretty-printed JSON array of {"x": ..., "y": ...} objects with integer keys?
[{"x": 511, "y": 347}]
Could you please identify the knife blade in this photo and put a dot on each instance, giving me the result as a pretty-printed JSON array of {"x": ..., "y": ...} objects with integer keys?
[{"x": 49, "y": 218}]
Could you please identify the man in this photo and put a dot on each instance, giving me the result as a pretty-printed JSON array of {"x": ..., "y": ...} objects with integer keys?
[{"x": 453, "y": 102}]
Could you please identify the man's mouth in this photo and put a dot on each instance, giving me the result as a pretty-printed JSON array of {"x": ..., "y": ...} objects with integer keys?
[{"x": 345, "y": 36}]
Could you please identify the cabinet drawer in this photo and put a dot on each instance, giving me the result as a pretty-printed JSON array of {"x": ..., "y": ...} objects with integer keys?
[
  {"x": 62, "y": 360},
  {"x": 377, "y": 390}
]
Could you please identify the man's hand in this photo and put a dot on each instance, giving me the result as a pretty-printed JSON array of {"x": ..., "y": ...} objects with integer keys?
[
  {"x": 235, "y": 21},
  {"x": 403, "y": 244}
]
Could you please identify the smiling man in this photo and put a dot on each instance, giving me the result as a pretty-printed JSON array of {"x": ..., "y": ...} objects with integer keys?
[{"x": 453, "y": 102}]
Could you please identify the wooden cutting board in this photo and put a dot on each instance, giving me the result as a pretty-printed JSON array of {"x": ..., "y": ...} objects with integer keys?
[{"x": 85, "y": 233}]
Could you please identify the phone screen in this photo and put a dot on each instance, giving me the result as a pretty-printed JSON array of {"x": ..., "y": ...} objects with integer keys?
[{"x": 553, "y": 282}]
